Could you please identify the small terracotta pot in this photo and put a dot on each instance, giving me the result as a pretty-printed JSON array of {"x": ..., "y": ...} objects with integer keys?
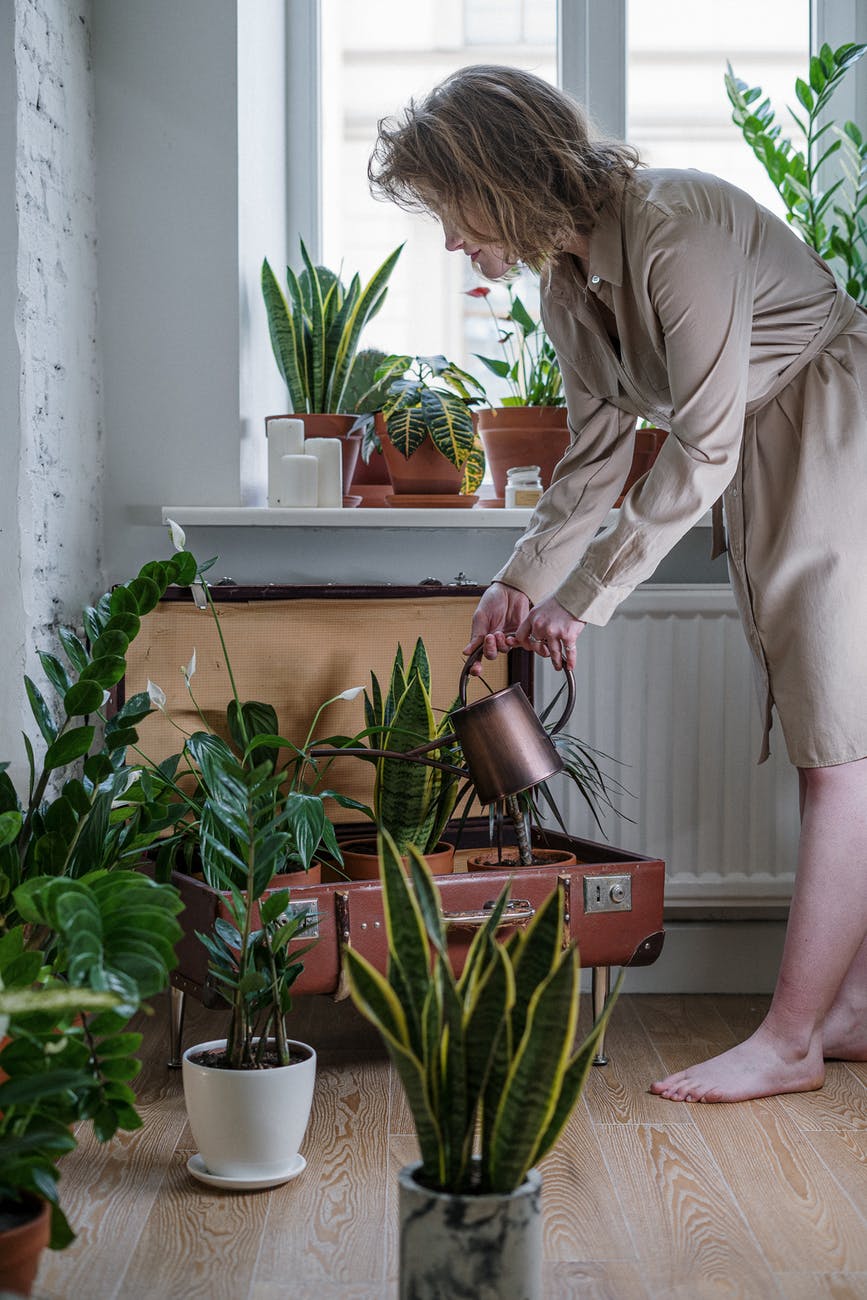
[
  {"x": 489, "y": 860},
  {"x": 522, "y": 435},
  {"x": 21, "y": 1247},
  {"x": 427, "y": 472},
  {"x": 648, "y": 444},
  {"x": 361, "y": 860}
]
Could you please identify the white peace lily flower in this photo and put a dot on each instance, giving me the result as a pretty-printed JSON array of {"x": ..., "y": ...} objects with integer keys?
[
  {"x": 156, "y": 695},
  {"x": 106, "y": 696},
  {"x": 190, "y": 669},
  {"x": 350, "y": 694},
  {"x": 177, "y": 534}
]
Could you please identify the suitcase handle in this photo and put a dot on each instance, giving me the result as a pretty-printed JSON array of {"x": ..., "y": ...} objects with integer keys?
[{"x": 518, "y": 912}]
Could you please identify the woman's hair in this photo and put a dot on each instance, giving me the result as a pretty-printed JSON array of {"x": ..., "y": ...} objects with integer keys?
[{"x": 503, "y": 154}]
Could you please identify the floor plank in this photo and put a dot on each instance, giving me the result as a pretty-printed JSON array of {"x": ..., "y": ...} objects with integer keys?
[
  {"x": 845, "y": 1157},
  {"x": 796, "y": 1210},
  {"x": 687, "y": 1229},
  {"x": 841, "y": 1103},
  {"x": 824, "y": 1286},
  {"x": 618, "y": 1092}
]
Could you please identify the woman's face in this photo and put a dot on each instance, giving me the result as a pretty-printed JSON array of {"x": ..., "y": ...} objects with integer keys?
[{"x": 487, "y": 258}]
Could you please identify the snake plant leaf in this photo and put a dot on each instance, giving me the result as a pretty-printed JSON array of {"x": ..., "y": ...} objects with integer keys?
[
  {"x": 449, "y": 424},
  {"x": 428, "y": 899},
  {"x": 405, "y": 790},
  {"x": 575, "y": 1076},
  {"x": 317, "y": 310},
  {"x": 285, "y": 340},
  {"x": 458, "y": 1117},
  {"x": 487, "y": 1014},
  {"x": 482, "y": 945},
  {"x": 369, "y": 301},
  {"x": 404, "y": 926},
  {"x": 396, "y": 687},
  {"x": 407, "y": 429},
  {"x": 537, "y": 951},
  {"x": 420, "y": 663},
  {"x": 527, "y": 1104}
]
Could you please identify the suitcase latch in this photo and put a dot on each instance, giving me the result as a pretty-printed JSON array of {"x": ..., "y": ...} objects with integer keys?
[
  {"x": 608, "y": 893},
  {"x": 518, "y": 912}
]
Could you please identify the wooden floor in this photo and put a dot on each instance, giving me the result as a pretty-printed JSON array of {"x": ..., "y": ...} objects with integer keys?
[{"x": 642, "y": 1198}]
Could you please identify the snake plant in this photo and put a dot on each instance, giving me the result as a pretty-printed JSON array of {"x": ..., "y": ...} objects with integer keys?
[
  {"x": 413, "y": 802},
  {"x": 489, "y": 1052},
  {"x": 316, "y": 330}
]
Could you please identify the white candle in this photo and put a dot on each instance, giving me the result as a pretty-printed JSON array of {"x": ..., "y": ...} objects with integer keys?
[
  {"x": 296, "y": 483},
  {"x": 285, "y": 438},
  {"x": 330, "y": 457}
]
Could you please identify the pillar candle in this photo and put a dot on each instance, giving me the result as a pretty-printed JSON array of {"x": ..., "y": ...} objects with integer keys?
[
  {"x": 330, "y": 457},
  {"x": 285, "y": 438},
  {"x": 296, "y": 483}
]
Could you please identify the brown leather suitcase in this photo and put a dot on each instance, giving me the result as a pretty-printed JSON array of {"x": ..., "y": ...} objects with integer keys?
[{"x": 297, "y": 646}]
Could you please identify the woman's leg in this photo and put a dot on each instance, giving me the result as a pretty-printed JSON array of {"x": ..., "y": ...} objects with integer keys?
[{"x": 817, "y": 1008}]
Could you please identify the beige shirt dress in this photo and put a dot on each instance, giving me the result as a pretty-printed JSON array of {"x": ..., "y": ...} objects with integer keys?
[{"x": 732, "y": 334}]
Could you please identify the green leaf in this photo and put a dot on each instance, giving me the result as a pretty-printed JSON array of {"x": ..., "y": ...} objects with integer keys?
[
  {"x": 67, "y": 748},
  {"x": 107, "y": 671},
  {"x": 407, "y": 429},
  {"x": 122, "y": 601},
  {"x": 146, "y": 594},
  {"x": 76, "y": 652},
  {"x": 127, "y": 623},
  {"x": 10, "y": 825},
  {"x": 40, "y": 711},
  {"x": 182, "y": 568},
  {"x": 449, "y": 424},
  {"x": 82, "y": 698},
  {"x": 55, "y": 672},
  {"x": 112, "y": 642}
]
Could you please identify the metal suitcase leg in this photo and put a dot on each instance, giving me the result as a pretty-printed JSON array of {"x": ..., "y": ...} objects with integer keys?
[
  {"x": 600, "y": 988},
  {"x": 177, "y": 1006}
]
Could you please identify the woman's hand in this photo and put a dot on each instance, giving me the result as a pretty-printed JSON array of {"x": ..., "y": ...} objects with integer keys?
[
  {"x": 500, "y": 612},
  {"x": 550, "y": 631}
]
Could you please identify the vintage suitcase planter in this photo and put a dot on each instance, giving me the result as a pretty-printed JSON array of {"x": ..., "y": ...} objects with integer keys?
[{"x": 613, "y": 898}]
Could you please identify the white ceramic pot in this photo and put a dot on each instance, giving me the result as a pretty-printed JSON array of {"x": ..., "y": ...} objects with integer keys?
[
  {"x": 470, "y": 1247},
  {"x": 248, "y": 1124}
]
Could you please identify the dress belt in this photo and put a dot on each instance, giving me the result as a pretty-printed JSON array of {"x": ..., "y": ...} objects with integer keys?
[{"x": 839, "y": 318}]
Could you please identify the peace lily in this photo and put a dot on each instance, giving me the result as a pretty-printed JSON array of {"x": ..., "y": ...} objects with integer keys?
[
  {"x": 177, "y": 534},
  {"x": 156, "y": 695}
]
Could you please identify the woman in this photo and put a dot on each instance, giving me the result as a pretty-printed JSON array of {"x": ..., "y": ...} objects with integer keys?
[{"x": 674, "y": 296}]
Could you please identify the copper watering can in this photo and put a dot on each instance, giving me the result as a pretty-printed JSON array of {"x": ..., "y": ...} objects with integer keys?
[{"x": 505, "y": 746}]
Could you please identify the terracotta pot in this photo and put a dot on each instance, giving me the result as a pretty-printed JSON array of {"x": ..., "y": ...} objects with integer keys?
[
  {"x": 20, "y": 1247},
  {"x": 427, "y": 472},
  {"x": 371, "y": 481},
  {"x": 648, "y": 443},
  {"x": 361, "y": 861},
  {"x": 522, "y": 435},
  {"x": 327, "y": 425},
  {"x": 489, "y": 860}
]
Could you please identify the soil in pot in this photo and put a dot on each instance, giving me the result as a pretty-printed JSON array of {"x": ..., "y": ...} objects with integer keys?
[
  {"x": 361, "y": 860},
  {"x": 215, "y": 1059},
  {"x": 509, "y": 860},
  {"x": 25, "y": 1229}
]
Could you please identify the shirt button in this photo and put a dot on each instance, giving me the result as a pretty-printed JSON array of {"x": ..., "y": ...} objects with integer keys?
[{"x": 594, "y": 279}]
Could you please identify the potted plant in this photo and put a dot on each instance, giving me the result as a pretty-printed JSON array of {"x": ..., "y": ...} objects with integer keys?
[
  {"x": 248, "y": 1096},
  {"x": 427, "y": 434},
  {"x": 315, "y": 333},
  {"x": 490, "y": 1071},
  {"x": 529, "y": 428},
  {"x": 412, "y": 801},
  {"x": 365, "y": 399},
  {"x": 826, "y": 210},
  {"x": 86, "y": 954}
]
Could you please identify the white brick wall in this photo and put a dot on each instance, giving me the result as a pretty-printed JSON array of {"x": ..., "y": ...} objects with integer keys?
[{"x": 57, "y": 542}]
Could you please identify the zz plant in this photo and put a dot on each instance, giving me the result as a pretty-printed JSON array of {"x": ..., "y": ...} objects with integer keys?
[
  {"x": 489, "y": 1053},
  {"x": 828, "y": 214}
]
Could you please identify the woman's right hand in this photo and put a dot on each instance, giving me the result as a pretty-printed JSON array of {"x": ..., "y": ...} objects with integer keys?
[{"x": 498, "y": 613}]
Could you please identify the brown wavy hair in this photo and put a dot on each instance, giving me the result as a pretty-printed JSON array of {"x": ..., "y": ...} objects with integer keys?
[{"x": 505, "y": 156}]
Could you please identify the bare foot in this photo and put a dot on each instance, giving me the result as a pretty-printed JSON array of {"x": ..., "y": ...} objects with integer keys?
[
  {"x": 844, "y": 1035},
  {"x": 755, "y": 1068}
]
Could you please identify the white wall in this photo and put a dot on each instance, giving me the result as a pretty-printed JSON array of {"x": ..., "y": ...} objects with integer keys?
[
  {"x": 51, "y": 489},
  {"x": 166, "y": 79}
]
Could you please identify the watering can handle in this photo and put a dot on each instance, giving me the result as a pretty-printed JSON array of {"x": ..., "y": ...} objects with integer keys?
[{"x": 570, "y": 687}]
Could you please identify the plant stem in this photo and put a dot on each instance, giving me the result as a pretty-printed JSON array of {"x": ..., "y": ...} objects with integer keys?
[{"x": 525, "y": 851}]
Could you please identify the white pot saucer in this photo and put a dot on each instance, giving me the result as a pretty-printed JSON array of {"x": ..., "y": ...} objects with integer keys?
[{"x": 199, "y": 1170}]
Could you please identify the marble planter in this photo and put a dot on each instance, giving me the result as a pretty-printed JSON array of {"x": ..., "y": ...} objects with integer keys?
[{"x": 470, "y": 1247}]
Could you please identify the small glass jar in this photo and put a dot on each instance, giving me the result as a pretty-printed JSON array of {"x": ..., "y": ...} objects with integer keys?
[{"x": 523, "y": 486}]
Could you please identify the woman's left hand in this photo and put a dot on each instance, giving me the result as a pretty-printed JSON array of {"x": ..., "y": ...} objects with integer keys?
[{"x": 550, "y": 631}]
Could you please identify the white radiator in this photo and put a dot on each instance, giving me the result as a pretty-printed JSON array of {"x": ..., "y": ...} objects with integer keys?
[{"x": 666, "y": 688}]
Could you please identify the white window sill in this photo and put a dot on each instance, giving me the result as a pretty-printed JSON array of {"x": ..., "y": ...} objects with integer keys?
[{"x": 263, "y": 517}]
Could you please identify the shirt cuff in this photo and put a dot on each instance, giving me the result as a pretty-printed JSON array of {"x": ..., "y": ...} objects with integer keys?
[{"x": 582, "y": 596}]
